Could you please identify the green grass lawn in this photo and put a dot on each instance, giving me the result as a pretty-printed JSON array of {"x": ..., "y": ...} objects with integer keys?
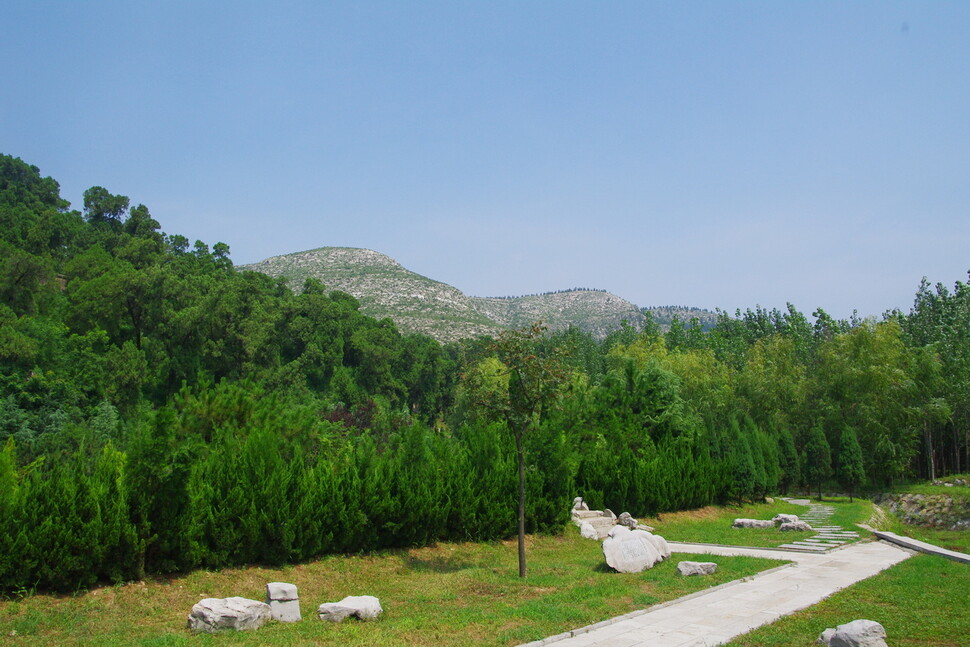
[
  {"x": 957, "y": 492},
  {"x": 921, "y": 603},
  {"x": 449, "y": 594},
  {"x": 713, "y": 524}
]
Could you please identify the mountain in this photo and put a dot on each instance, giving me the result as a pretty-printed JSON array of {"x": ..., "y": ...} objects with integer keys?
[
  {"x": 418, "y": 304},
  {"x": 595, "y": 311},
  {"x": 385, "y": 289}
]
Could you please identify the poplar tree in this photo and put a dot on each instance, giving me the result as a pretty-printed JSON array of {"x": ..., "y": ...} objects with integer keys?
[{"x": 535, "y": 375}]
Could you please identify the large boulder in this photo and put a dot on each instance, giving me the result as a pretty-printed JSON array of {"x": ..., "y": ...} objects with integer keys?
[
  {"x": 362, "y": 607},
  {"x": 785, "y": 518},
  {"x": 658, "y": 542},
  {"x": 753, "y": 523},
  {"x": 283, "y": 601},
  {"x": 696, "y": 568},
  {"x": 795, "y": 526},
  {"x": 219, "y": 614},
  {"x": 579, "y": 504},
  {"x": 629, "y": 551},
  {"x": 858, "y": 633}
]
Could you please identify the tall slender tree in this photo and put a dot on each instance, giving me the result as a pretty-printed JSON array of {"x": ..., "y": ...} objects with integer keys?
[{"x": 535, "y": 375}]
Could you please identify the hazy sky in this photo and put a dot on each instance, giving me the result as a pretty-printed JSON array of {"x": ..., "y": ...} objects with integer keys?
[{"x": 713, "y": 154}]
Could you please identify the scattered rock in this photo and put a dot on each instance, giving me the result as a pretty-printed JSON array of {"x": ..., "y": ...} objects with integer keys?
[
  {"x": 629, "y": 551},
  {"x": 795, "y": 525},
  {"x": 696, "y": 568},
  {"x": 609, "y": 513},
  {"x": 283, "y": 601},
  {"x": 587, "y": 531},
  {"x": 218, "y": 614},
  {"x": 363, "y": 607},
  {"x": 753, "y": 523},
  {"x": 858, "y": 633},
  {"x": 625, "y": 519}
]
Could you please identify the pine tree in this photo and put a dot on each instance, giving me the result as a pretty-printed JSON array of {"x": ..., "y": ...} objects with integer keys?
[
  {"x": 788, "y": 461},
  {"x": 818, "y": 459},
  {"x": 851, "y": 472}
]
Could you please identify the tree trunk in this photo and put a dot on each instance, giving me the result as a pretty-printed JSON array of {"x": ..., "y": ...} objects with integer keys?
[
  {"x": 928, "y": 441},
  {"x": 521, "y": 455}
]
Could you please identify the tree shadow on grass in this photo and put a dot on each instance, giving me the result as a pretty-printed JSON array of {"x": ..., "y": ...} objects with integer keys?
[{"x": 435, "y": 564}]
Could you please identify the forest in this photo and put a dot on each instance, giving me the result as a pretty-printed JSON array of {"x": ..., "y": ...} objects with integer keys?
[{"x": 161, "y": 411}]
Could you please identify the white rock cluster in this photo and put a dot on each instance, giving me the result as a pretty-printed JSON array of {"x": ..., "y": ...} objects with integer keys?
[
  {"x": 753, "y": 523},
  {"x": 783, "y": 521},
  {"x": 282, "y": 604}
]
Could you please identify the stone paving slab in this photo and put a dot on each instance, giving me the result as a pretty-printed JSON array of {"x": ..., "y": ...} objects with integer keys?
[
  {"x": 923, "y": 547},
  {"x": 715, "y": 616}
]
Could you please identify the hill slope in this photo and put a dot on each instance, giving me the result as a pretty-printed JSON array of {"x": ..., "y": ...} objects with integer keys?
[
  {"x": 418, "y": 304},
  {"x": 595, "y": 311},
  {"x": 385, "y": 289},
  {"x": 664, "y": 316}
]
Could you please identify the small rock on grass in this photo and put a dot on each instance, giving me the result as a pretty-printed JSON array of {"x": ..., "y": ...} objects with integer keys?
[
  {"x": 795, "y": 526},
  {"x": 362, "y": 607},
  {"x": 696, "y": 568},
  {"x": 239, "y": 614},
  {"x": 283, "y": 601},
  {"x": 858, "y": 633}
]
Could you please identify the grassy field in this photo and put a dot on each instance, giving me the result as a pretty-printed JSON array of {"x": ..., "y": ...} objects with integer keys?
[
  {"x": 957, "y": 492},
  {"x": 921, "y": 603},
  {"x": 469, "y": 594},
  {"x": 450, "y": 594},
  {"x": 713, "y": 524}
]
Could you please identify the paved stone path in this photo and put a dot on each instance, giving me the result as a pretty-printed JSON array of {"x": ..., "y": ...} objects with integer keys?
[
  {"x": 829, "y": 535},
  {"x": 715, "y": 616}
]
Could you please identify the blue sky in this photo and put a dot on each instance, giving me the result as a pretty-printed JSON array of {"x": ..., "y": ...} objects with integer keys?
[{"x": 713, "y": 154}]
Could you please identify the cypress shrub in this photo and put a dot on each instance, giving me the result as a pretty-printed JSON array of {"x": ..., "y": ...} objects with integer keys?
[
  {"x": 487, "y": 507},
  {"x": 550, "y": 479}
]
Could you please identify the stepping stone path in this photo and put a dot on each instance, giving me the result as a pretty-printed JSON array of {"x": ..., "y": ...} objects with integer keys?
[{"x": 819, "y": 518}]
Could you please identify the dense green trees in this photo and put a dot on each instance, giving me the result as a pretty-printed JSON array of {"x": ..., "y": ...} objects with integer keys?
[{"x": 161, "y": 411}]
